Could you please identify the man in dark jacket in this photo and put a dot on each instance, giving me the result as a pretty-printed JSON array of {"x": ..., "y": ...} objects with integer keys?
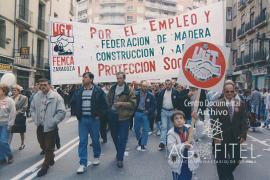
[
  {"x": 229, "y": 113},
  {"x": 146, "y": 105},
  {"x": 122, "y": 103},
  {"x": 88, "y": 104},
  {"x": 166, "y": 104}
]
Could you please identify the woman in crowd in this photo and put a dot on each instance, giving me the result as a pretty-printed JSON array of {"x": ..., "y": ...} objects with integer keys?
[
  {"x": 21, "y": 103},
  {"x": 7, "y": 117}
]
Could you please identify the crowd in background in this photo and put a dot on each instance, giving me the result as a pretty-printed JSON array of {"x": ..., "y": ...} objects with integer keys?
[{"x": 154, "y": 104}]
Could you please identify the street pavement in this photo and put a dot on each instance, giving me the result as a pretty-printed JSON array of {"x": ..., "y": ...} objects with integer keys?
[{"x": 149, "y": 165}]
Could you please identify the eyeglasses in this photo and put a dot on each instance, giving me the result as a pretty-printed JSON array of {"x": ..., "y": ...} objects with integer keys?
[
  {"x": 43, "y": 84},
  {"x": 229, "y": 91}
]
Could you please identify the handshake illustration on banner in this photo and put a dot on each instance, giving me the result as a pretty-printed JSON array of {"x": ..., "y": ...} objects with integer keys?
[
  {"x": 63, "y": 45},
  {"x": 203, "y": 69}
]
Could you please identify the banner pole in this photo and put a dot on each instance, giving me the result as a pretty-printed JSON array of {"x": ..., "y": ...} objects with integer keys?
[{"x": 196, "y": 107}]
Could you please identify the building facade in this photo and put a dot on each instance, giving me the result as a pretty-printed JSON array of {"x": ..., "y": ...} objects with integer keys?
[
  {"x": 120, "y": 12},
  {"x": 24, "y": 30},
  {"x": 251, "y": 43}
]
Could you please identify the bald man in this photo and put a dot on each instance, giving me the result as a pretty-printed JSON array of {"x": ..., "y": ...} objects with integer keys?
[
  {"x": 146, "y": 105},
  {"x": 230, "y": 113}
]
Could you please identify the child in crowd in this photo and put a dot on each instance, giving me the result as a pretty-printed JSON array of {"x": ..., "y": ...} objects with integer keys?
[{"x": 180, "y": 159}]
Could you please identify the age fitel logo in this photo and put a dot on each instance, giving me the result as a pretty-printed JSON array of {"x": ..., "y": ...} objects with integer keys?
[
  {"x": 62, "y": 40},
  {"x": 204, "y": 64}
]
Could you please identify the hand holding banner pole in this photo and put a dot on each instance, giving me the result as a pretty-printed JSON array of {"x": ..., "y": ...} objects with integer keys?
[{"x": 196, "y": 107}]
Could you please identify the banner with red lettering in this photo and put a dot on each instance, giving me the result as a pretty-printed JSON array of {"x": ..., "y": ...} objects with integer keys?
[{"x": 149, "y": 50}]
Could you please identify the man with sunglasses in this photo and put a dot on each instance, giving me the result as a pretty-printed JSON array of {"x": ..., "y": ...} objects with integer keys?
[
  {"x": 229, "y": 111},
  {"x": 47, "y": 110}
]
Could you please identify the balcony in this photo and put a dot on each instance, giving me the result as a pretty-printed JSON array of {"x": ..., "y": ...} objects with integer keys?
[
  {"x": 112, "y": 11},
  {"x": 169, "y": 8},
  {"x": 112, "y": 2},
  {"x": 152, "y": 5},
  {"x": 241, "y": 32},
  {"x": 151, "y": 15},
  {"x": 260, "y": 56},
  {"x": 249, "y": 27},
  {"x": 239, "y": 62},
  {"x": 116, "y": 21},
  {"x": 43, "y": 27},
  {"x": 261, "y": 20},
  {"x": 169, "y": 1},
  {"x": 23, "y": 62},
  {"x": 242, "y": 4},
  {"x": 25, "y": 16}
]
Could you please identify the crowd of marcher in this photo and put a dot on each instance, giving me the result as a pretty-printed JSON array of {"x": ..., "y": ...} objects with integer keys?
[{"x": 163, "y": 109}]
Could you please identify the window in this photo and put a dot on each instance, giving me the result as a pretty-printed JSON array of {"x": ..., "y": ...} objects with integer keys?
[
  {"x": 83, "y": 20},
  {"x": 242, "y": 56},
  {"x": 234, "y": 11},
  {"x": 23, "y": 39},
  {"x": 81, "y": 13},
  {"x": 251, "y": 49},
  {"x": 234, "y": 33},
  {"x": 234, "y": 56},
  {"x": 130, "y": 8},
  {"x": 41, "y": 17},
  {"x": 2, "y": 33},
  {"x": 129, "y": 19},
  {"x": 251, "y": 18},
  {"x": 228, "y": 35},
  {"x": 261, "y": 46},
  {"x": 229, "y": 13},
  {"x": 40, "y": 53}
]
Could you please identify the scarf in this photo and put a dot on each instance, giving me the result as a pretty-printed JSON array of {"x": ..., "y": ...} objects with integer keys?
[{"x": 182, "y": 132}]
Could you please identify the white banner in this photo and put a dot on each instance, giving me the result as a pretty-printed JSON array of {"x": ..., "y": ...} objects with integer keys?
[{"x": 144, "y": 51}]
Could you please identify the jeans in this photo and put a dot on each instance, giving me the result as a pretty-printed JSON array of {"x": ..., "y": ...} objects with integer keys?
[
  {"x": 119, "y": 133},
  {"x": 47, "y": 142},
  {"x": 255, "y": 108},
  {"x": 267, "y": 120},
  {"x": 141, "y": 120},
  {"x": 5, "y": 151},
  {"x": 166, "y": 124},
  {"x": 103, "y": 128},
  {"x": 87, "y": 125}
]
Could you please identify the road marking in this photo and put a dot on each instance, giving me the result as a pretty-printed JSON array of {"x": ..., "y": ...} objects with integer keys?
[
  {"x": 34, "y": 167},
  {"x": 56, "y": 158},
  {"x": 259, "y": 141}
]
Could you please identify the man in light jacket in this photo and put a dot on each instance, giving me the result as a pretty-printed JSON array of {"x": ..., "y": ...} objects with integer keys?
[{"x": 47, "y": 110}]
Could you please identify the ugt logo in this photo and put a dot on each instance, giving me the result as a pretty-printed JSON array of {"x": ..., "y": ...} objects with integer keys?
[
  {"x": 62, "y": 39},
  {"x": 204, "y": 64}
]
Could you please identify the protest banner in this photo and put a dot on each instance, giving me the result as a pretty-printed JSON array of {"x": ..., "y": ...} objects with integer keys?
[
  {"x": 149, "y": 50},
  {"x": 204, "y": 65}
]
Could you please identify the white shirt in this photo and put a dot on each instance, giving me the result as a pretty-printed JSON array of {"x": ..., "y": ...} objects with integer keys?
[
  {"x": 232, "y": 103},
  {"x": 167, "y": 100}
]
